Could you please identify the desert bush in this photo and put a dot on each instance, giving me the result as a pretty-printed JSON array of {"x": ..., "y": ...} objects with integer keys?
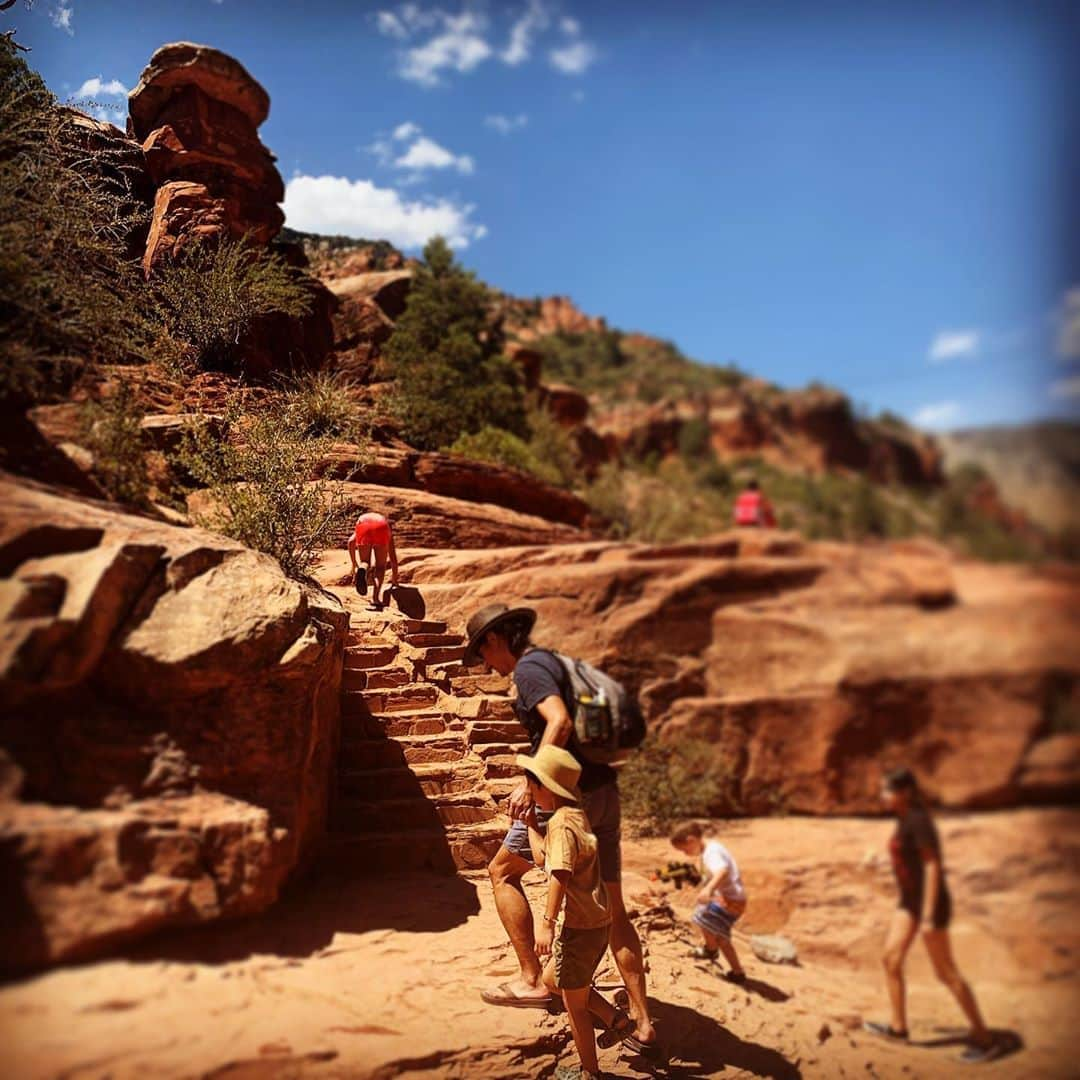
[
  {"x": 446, "y": 357},
  {"x": 607, "y": 498},
  {"x": 323, "y": 403},
  {"x": 665, "y": 782},
  {"x": 502, "y": 448},
  {"x": 210, "y": 295},
  {"x": 694, "y": 440},
  {"x": 552, "y": 447},
  {"x": 67, "y": 287},
  {"x": 111, "y": 431},
  {"x": 259, "y": 484}
]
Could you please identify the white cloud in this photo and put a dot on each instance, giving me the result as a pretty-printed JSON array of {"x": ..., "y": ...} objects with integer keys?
[
  {"x": 940, "y": 414},
  {"x": 61, "y": 17},
  {"x": 406, "y": 130},
  {"x": 1068, "y": 338},
  {"x": 97, "y": 87},
  {"x": 535, "y": 19},
  {"x": 953, "y": 345},
  {"x": 459, "y": 46},
  {"x": 506, "y": 125},
  {"x": 425, "y": 153},
  {"x": 573, "y": 59},
  {"x": 108, "y": 113},
  {"x": 336, "y": 205},
  {"x": 1067, "y": 389},
  {"x": 390, "y": 25},
  {"x": 570, "y": 27}
]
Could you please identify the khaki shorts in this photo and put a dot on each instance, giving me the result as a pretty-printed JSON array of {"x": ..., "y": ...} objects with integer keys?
[{"x": 577, "y": 954}]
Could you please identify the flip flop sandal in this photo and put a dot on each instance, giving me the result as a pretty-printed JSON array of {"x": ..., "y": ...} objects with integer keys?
[
  {"x": 699, "y": 952},
  {"x": 620, "y": 1031},
  {"x": 505, "y": 997},
  {"x": 361, "y": 581},
  {"x": 884, "y": 1031}
]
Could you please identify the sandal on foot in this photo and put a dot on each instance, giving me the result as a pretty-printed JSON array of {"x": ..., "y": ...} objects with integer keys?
[
  {"x": 884, "y": 1031},
  {"x": 699, "y": 952},
  {"x": 504, "y": 995},
  {"x": 619, "y": 1032}
]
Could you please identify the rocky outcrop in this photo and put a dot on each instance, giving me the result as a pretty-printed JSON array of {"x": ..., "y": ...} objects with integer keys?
[
  {"x": 809, "y": 668},
  {"x": 530, "y": 320},
  {"x": 169, "y": 711},
  {"x": 196, "y": 112},
  {"x": 366, "y": 307},
  {"x": 459, "y": 478}
]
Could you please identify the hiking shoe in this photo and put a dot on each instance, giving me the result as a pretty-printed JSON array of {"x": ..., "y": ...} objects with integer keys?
[
  {"x": 884, "y": 1031},
  {"x": 361, "y": 581}
]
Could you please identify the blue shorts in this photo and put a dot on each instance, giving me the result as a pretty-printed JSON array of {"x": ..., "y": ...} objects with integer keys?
[
  {"x": 604, "y": 812},
  {"x": 714, "y": 919}
]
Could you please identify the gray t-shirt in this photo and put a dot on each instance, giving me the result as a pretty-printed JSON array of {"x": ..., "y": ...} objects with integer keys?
[{"x": 539, "y": 675}]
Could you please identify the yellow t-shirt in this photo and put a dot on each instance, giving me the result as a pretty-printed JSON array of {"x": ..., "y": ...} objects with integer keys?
[{"x": 570, "y": 845}]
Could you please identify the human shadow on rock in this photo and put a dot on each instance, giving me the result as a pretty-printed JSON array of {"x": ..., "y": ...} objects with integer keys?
[
  {"x": 700, "y": 1046},
  {"x": 314, "y": 910}
]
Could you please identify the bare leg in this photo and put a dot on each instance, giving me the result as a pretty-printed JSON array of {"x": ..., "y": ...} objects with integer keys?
[
  {"x": 730, "y": 955},
  {"x": 940, "y": 950},
  {"x": 378, "y": 573},
  {"x": 506, "y": 871},
  {"x": 581, "y": 1025},
  {"x": 626, "y": 948},
  {"x": 897, "y": 942}
]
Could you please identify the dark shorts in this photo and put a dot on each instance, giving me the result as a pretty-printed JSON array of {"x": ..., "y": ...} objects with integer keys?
[
  {"x": 714, "y": 919},
  {"x": 942, "y": 909},
  {"x": 577, "y": 955},
  {"x": 604, "y": 812}
]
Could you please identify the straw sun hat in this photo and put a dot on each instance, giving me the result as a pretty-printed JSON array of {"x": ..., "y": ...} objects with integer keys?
[{"x": 556, "y": 769}]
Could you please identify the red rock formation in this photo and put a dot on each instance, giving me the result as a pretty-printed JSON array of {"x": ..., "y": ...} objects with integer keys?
[
  {"x": 169, "y": 709},
  {"x": 529, "y": 320},
  {"x": 811, "y": 667},
  {"x": 569, "y": 406}
]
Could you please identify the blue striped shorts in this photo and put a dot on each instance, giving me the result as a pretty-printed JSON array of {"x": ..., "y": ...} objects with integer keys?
[{"x": 714, "y": 919}]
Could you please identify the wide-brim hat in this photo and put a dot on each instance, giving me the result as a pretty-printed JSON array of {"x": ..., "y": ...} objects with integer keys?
[
  {"x": 490, "y": 618},
  {"x": 557, "y": 769}
]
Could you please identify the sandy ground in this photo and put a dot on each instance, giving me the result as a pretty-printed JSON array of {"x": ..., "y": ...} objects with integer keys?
[{"x": 381, "y": 978}]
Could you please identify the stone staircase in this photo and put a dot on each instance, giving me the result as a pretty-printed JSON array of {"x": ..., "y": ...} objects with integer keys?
[{"x": 427, "y": 747}]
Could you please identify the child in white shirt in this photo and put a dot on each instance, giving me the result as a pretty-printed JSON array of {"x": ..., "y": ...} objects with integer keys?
[{"x": 722, "y": 898}]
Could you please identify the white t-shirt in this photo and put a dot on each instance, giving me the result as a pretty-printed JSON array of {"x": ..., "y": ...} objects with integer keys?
[{"x": 715, "y": 858}]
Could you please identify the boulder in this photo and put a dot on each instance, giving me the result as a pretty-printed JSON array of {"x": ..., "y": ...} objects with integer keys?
[
  {"x": 1051, "y": 770},
  {"x": 387, "y": 290},
  {"x": 183, "y": 64},
  {"x": 143, "y": 662},
  {"x": 185, "y": 213},
  {"x": 570, "y": 407}
]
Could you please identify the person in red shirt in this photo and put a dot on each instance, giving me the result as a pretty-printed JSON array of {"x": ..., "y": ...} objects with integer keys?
[
  {"x": 753, "y": 509},
  {"x": 372, "y": 538}
]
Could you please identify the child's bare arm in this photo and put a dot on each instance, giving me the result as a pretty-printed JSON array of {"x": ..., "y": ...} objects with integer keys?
[
  {"x": 545, "y": 935},
  {"x": 712, "y": 885}
]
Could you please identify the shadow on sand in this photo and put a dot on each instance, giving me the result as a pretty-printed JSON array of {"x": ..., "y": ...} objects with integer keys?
[
  {"x": 1008, "y": 1042},
  {"x": 704, "y": 1047},
  {"x": 316, "y": 908}
]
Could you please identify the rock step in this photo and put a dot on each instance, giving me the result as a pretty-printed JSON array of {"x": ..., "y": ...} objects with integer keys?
[
  {"x": 501, "y": 732},
  {"x": 468, "y": 685},
  {"x": 382, "y": 678},
  {"x": 442, "y": 654},
  {"x": 407, "y": 750},
  {"x": 369, "y": 655},
  {"x": 405, "y": 698},
  {"x": 448, "y": 670},
  {"x": 417, "y": 812},
  {"x": 394, "y": 725},
  {"x": 501, "y": 766},
  {"x": 408, "y": 782},
  {"x": 430, "y": 641},
  {"x": 461, "y": 847},
  {"x": 410, "y": 627}
]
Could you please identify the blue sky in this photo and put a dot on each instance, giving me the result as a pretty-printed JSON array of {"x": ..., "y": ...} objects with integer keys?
[{"x": 877, "y": 195}]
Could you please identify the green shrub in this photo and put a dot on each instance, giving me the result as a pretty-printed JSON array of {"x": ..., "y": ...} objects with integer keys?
[
  {"x": 552, "y": 447},
  {"x": 324, "y": 403},
  {"x": 695, "y": 440},
  {"x": 607, "y": 498},
  {"x": 260, "y": 487},
  {"x": 502, "y": 448},
  {"x": 445, "y": 355},
  {"x": 666, "y": 782},
  {"x": 67, "y": 286},
  {"x": 112, "y": 432},
  {"x": 211, "y": 294}
]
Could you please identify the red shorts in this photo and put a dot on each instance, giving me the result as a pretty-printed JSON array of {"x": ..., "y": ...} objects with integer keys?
[{"x": 373, "y": 530}]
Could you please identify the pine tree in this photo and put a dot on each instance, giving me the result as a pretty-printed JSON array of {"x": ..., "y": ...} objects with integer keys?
[{"x": 446, "y": 356}]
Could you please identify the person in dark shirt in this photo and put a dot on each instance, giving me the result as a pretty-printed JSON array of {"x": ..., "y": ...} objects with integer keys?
[
  {"x": 924, "y": 898},
  {"x": 499, "y": 636}
]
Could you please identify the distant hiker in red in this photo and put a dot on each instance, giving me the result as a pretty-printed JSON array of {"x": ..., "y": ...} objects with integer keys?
[
  {"x": 372, "y": 538},
  {"x": 753, "y": 509},
  {"x": 924, "y": 898}
]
